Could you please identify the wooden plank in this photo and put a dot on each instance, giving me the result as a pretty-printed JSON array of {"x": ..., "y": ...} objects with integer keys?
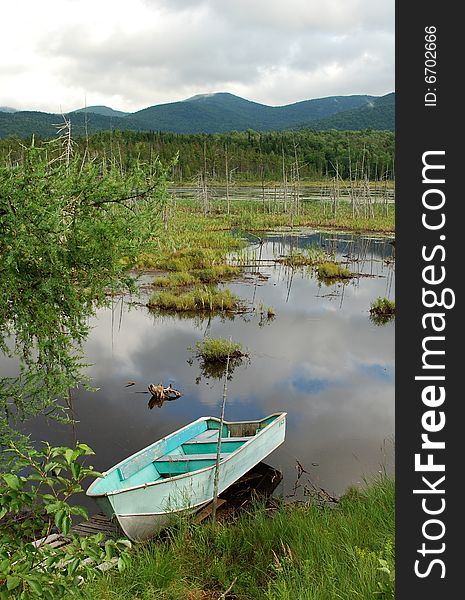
[
  {"x": 47, "y": 540},
  {"x": 59, "y": 543},
  {"x": 207, "y": 510},
  {"x": 98, "y": 523},
  {"x": 85, "y": 529},
  {"x": 92, "y": 525},
  {"x": 100, "y": 517}
]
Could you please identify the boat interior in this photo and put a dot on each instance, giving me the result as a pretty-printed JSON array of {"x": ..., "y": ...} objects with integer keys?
[{"x": 189, "y": 449}]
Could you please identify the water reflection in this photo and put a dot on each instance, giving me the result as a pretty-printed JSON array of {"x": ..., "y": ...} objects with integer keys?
[{"x": 320, "y": 359}]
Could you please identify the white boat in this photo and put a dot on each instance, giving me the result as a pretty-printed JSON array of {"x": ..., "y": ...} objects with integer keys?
[{"x": 176, "y": 474}]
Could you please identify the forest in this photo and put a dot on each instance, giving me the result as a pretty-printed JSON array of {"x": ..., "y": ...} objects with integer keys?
[{"x": 247, "y": 157}]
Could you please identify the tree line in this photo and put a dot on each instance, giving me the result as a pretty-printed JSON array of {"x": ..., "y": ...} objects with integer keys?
[{"x": 248, "y": 156}]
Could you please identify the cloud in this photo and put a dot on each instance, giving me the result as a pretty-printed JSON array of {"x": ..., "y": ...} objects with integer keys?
[{"x": 151, "y": 51}]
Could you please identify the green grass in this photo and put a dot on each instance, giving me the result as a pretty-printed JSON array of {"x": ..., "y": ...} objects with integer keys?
[
  {"x": 217, "y": 350},
  {"x": 382, "y": 310},
  {"x": 176, "y": 279},
  {"x": 199, "y": 245},
  {"x": 299, "y": 552},
  {"x": 383, "y": 306},
  {"x": 216, "y": 273},
  {"x": 333, "y": 271},
  {"x": 314, "y": 255},
  {"x": 202, "y": 298}
]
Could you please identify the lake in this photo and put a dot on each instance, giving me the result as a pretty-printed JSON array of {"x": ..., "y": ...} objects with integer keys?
[{"x": 320, "y": 358}]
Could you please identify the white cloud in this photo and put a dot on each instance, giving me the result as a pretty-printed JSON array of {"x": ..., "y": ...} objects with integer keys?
[{"x": 62, "y": 53}]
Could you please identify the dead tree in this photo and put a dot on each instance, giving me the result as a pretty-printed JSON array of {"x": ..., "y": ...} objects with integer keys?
[{"x": 162, "y": 394}]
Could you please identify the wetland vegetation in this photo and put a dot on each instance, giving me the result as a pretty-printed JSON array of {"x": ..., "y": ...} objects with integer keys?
[
  {"x": 79, "y": 222},
  {"x": 303, "y": 551},
  {"x": 382, "y": 310}
]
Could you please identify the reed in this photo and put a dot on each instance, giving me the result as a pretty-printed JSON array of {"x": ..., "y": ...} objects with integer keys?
[
  {"x": 218, "y": 350},
  {"x": 333, "y": 270},
  {"x": 202, "y": 298}
]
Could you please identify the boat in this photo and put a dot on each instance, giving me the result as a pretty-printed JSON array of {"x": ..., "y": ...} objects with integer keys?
[{"x": 176, "y": 474}]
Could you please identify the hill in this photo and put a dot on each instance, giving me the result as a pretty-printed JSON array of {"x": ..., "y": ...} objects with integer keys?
[
  {"x": 220, "y": 112},
  {"x": 45, "y": 125},
  {"x": 379, "y": 114},
  {"x": 213, "y": 113},
  {"x": 106, "y": 111}
]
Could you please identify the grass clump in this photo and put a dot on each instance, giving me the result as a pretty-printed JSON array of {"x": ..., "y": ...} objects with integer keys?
[
  {"x": 299, "y": 551},
  {"x": 191, "y": 259},
  {"x": 383, "y": 306},
  {"x": 176, "y": 279},
  {"x": 216, "y": 273},
  {"x": 213, "y": 355},
  {"x": 382, "y": 310},
  {"x": 217, "y": 350},
  {"x": 210, "y": 275},
  {"x": 330, "y": 270},
  {"x": 201, "y": 298},
  {"x": 314, "y": 255}
]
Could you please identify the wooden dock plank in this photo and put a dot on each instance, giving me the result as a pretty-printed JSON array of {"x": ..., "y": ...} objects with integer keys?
[{"x": 207, "y": 510}]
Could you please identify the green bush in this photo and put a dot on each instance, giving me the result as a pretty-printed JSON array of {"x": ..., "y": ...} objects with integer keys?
[{"x": 33, "y": 505}]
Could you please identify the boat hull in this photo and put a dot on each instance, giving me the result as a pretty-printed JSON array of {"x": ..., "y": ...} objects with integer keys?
[{"x": 143, "y": 510}]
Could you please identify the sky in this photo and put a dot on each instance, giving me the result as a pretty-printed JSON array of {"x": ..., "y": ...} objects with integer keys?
[{"x": 60, "y": 55}]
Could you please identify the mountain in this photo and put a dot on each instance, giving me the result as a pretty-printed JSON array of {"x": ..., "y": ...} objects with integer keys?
[
  {"x": 106, "y": 111},
  {"x": 379, "y": 114},
  {"x": 45, "y": 125},
  {"x": 7, "y": 109},
  {"x": 213, "y": 113},
  {"x": 216, "y": 113}
]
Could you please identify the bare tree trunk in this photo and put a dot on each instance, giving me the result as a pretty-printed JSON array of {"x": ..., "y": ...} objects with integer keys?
[
  {"x": 284, "y": 181},
  {"x": 352, "y": 199},
  {"x": 204, "y": 180},
  {"x": 296, "y": 179},
  {"x": 226, "y": 165}
]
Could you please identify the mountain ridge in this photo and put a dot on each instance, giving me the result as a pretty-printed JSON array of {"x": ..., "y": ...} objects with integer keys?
[{"x": 213, "y": 113}]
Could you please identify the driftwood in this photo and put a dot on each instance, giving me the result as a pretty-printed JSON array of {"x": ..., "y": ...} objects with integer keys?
[{"x": 161, "y": 394}]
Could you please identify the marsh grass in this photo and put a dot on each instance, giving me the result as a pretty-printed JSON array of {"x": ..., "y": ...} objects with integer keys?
[
  {"x": 314, "y": 255},
  {"x": 213, "y": 355},
  {"x": 332, "y": 271},
  {"x": 216, "y": 273},
  {"x": 383, "y": 306},
  {"x": 302, "y": 552},
  {"x": 194, "y": 241},
  {"x": 190, "y": 259},
  {"x": 382, "y": 310},
  {"x": 201, "y": 298},
  {"x": 176, "y": 279},
  {"x": 217, "y": 350}
]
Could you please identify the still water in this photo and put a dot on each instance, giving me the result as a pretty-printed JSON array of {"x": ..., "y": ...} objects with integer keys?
[{"x": 320, "y": 358}]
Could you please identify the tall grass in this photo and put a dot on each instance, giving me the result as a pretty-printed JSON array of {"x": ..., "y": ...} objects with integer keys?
[
  {"x": 333, "y": 271},
  {"x": 202, "y": 298},
  {"x": 382, "y": 310},
  {"x": 311, "y": 256},
  {"x": 217, "y": 350},
  {"x": 299, "y": 552},
  {"x": 176, "y": 279}
]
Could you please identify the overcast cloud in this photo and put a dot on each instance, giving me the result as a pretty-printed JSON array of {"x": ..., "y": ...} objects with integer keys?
[{"x": 61, "y": 54}]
